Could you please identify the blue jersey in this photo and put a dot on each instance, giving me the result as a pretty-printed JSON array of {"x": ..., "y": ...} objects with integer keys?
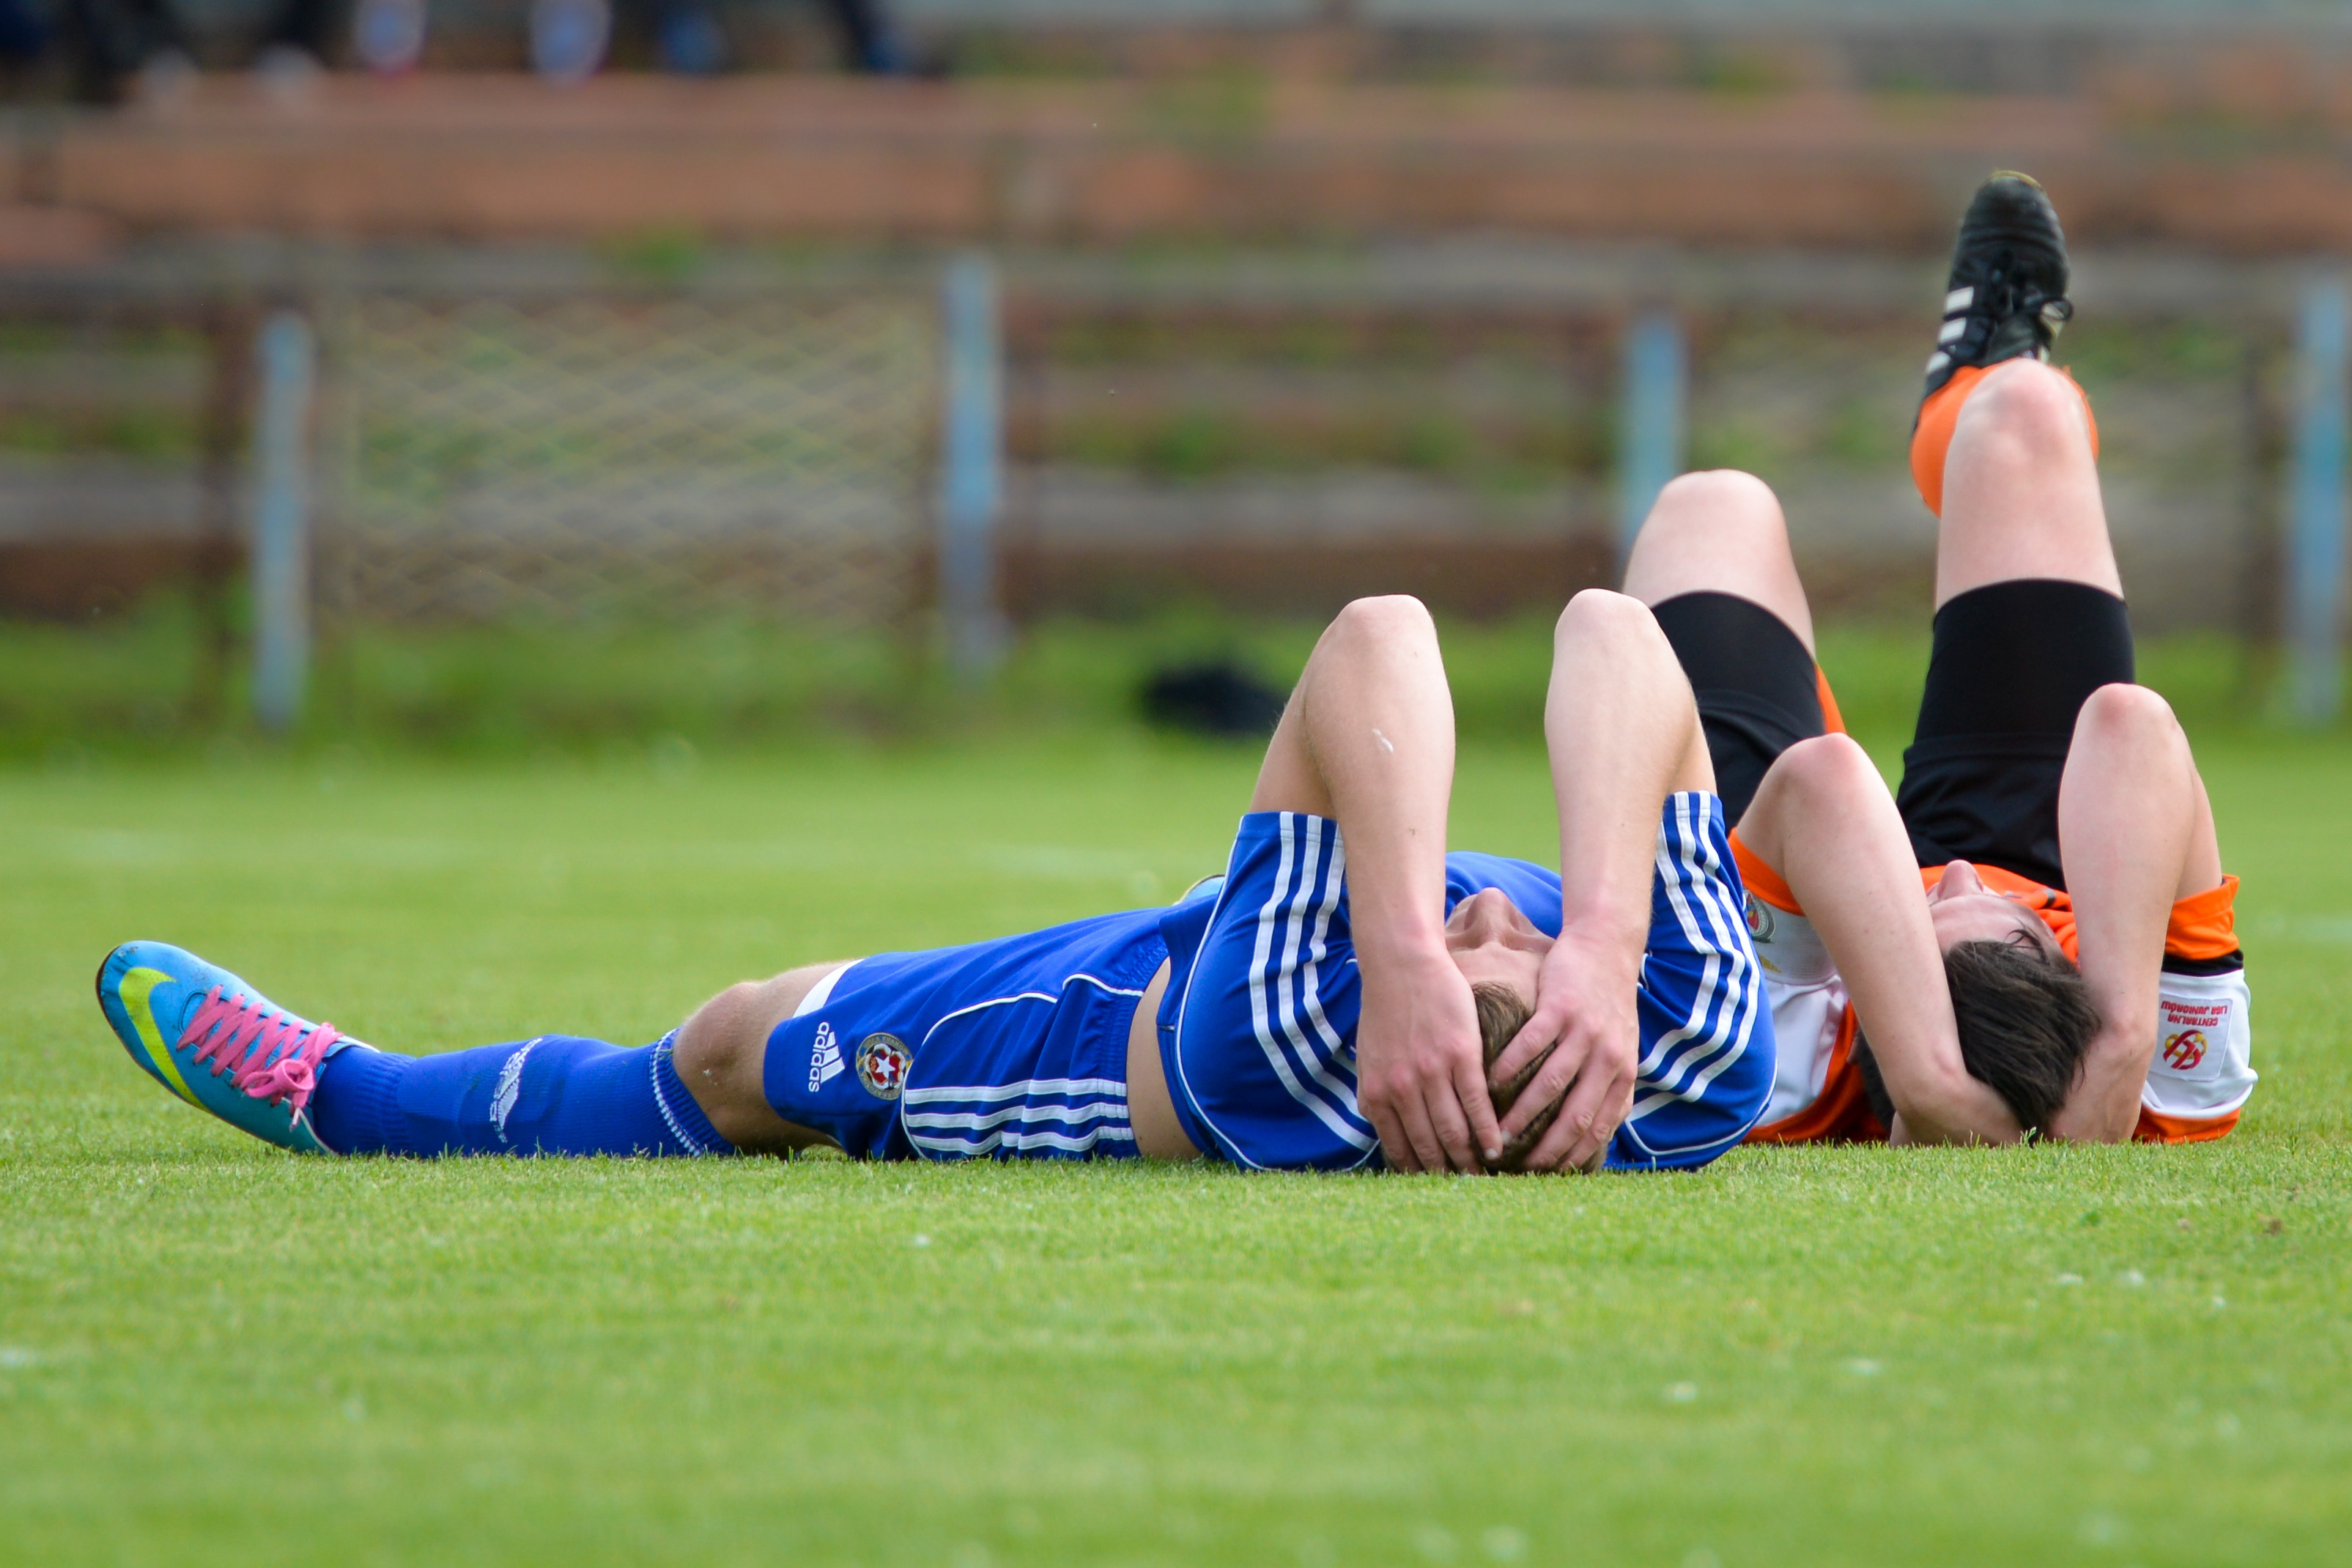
[
  {"x": 1257, "y": 1030},
  {"x": 1018, "y": 1047}
]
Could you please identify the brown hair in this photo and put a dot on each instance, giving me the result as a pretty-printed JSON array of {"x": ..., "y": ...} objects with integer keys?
[
  {"x": 2025, "y": 1018},
  {"x": 1502, "y": 1014}
]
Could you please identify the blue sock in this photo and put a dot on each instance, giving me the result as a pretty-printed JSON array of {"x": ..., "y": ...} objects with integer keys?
[{"x": 557, "y": 1094}]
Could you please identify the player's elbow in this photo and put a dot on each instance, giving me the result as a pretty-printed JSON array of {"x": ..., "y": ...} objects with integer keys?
[
  {"x": 1943, "y": 1104},
  {"x": 1385, "y": 618},
  {"x": 2079, "y": 1121},
  {"x": 1600, "y": 614}
]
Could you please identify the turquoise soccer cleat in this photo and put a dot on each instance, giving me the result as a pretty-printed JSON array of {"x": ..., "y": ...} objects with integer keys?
[{"x": 216, "y": 1042}]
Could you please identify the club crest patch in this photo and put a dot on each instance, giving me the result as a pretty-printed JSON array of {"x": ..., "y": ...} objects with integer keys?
[
  {"x": 1760, "y": 919},
  {"x": 2185, "y": 1052},
  {"x": 882, "y": 1064}
]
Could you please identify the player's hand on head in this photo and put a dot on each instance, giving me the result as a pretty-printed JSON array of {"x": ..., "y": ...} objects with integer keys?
[
  {"x": 1585, "y": 1019},
  {"x": 1420, "y": 1077}
]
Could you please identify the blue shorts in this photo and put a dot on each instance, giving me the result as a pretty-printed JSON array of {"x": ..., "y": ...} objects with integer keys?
[
  {"x": 1258, "y": 1029},
  {"x": 1012, "y": 1047}
]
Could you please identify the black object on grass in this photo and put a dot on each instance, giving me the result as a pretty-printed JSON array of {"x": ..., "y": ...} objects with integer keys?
[{"x": 1218, "y": 698}]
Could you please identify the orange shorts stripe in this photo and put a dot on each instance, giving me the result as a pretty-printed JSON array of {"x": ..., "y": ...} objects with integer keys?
[
  {"x": 1833, "y": 721},
  {"x": 1760, "y": 878},
  {"x": 2154, "y": 1127}
]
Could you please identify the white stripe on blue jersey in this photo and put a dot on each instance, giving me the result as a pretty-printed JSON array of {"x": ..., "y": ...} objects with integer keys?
[
  {"x": 1720, "y": 1023},
  {"x": 1110, "y": 1087},
  {"x": 977, "y": 1110},
  {"x": 965, "y": 1119},
  {"x": 1328, "y": 1085},
  {"x": 1015, "y": 1139}
]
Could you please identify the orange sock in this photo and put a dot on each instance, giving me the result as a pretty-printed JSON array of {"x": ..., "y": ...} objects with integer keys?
[{"x": 1941, "y": 414}]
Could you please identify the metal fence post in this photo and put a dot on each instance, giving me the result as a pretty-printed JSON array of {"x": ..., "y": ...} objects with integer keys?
[
  {"x": 1651, "y": 421},
  {"x": 971, "y": 469},
  {"x": 281, "y": 521},
  {"x": 2314, "y": 554}
]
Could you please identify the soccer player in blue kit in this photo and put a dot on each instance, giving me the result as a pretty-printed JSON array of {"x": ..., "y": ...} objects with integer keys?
[{"x": 1346, "y": 991}]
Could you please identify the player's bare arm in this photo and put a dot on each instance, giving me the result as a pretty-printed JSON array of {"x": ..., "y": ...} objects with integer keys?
[
  {"x": 1823, "y": 819},
  {"x": 1368, "y": 741},
  {"x": 1623, "y": 733},
  {"x": 2138, "y": 833}
]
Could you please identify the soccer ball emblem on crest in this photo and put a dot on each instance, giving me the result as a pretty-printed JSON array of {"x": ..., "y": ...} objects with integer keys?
[
  {"x": 2185, "y": 1050},
  {"x": 882, "y": 1064}
]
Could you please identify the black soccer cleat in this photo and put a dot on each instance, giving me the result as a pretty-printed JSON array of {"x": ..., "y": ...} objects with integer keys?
[{"x": 2006, "y": 295}]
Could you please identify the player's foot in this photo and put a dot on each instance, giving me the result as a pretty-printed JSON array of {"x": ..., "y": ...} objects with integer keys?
[
  {"x": 2007, "y": 294},
  {"x": 216, "y": 1042}
]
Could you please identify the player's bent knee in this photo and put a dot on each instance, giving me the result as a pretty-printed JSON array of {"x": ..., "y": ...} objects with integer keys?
[
  {"x": 2027, "y": 400},
  {"x": 1720, "y": 496},
  {"x": 721, "y": 1050},
  {"x": 2122, "y": 711},
  {"x": 1832, "y": 766}
]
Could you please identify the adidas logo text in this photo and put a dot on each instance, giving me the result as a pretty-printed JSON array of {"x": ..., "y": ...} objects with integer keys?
[{"x": 825, "y": 1059}]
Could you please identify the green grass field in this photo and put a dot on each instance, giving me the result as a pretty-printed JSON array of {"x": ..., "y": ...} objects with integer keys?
[{"x": 214, "y": 1352}]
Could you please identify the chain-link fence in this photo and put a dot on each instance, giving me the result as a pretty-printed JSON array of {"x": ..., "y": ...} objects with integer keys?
[
  {"x": 501, "y": 443},
  {"x": 617, "y": 454}
]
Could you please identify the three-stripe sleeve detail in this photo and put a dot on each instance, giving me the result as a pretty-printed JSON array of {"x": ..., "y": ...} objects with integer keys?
[
  {"x": 1319, "y": 1073},
  {"x": 1716, "y": 1030}
]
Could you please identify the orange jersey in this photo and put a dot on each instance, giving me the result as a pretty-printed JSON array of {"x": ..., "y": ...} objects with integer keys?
[{"x": 2198, "y": 1083}]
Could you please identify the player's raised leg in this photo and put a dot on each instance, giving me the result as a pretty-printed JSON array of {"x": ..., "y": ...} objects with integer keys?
[
  {"x": 2020, "y": 490},
  {"x": 2029, "y": 616},
  {"x": 1719, "y": 532},
  {"x": 217, "y": 1041},
  {"x": 1713, "y": 563},
  {"x": 2035, "y": 751}
]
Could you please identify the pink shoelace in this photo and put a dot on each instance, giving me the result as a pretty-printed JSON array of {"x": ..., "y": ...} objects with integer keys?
[{"x": 239, "y": 1035}]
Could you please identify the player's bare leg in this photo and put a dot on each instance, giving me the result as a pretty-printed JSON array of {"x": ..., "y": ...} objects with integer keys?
[
  {"x": 2021, "y": 500},
  {"x": 1719, "y": 532},
  {"x": 2022, "y": 487},
  {"x": 722, "y": 1056}
]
